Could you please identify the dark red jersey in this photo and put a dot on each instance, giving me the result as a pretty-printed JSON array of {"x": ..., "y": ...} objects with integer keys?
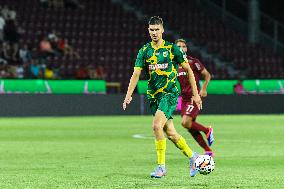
[{"x": 197, "y": 67}]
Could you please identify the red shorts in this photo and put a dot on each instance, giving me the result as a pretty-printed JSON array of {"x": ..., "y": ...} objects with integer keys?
[{"x": 189, "y": 109}]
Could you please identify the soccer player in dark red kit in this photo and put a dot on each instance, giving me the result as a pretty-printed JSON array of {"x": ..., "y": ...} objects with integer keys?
[{"x": 189, "y": 109}]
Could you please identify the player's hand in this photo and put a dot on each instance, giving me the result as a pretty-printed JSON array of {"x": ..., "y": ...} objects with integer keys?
[
  {"x": 126, "y": 101},
  {"x": 198, "y": 101},
  {"x": 203, "y": 93}
]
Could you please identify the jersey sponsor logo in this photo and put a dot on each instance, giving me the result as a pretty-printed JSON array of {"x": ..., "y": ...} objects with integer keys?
[
  {"x": 181, "y": 74},
  {"x": 198, "y": 66},
  {"x": 158, "y": 66},
  {"x": 165, "y": 54}
]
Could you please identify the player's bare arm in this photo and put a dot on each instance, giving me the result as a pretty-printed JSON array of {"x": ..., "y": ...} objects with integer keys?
[
  {"x": 196, "y": 98},
  {"x": 132, "y": 84},
  {"x": 207, "y": 77}
]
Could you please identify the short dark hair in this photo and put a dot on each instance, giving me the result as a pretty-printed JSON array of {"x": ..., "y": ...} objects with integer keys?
[
  {"x": 180, "y": 40},
  {"x": 155, "y": 20}
]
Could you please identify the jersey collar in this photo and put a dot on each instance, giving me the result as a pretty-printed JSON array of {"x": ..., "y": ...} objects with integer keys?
[{"x": 163, "y": 44}]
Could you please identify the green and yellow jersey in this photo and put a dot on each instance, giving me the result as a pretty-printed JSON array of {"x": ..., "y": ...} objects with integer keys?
[{"x": 160, "y": 66}]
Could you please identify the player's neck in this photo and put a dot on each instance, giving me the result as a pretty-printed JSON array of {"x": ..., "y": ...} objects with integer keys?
[{"x": 157, "y": 44}]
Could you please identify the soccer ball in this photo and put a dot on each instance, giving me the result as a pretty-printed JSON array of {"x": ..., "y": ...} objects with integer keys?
[{"x": 205, "y": 164}]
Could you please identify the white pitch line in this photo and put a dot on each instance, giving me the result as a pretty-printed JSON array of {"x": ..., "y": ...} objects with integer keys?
[{"x": 142, "y": 136}]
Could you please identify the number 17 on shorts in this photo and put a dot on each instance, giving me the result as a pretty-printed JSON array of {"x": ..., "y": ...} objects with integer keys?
[{"x": 189, "y": 109}]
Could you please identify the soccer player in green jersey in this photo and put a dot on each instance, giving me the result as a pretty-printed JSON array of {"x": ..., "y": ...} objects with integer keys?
[{"x": 160, "y": 59}]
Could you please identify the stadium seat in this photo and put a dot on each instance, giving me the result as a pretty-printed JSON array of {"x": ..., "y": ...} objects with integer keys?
[{"x": 122, "y": 29}]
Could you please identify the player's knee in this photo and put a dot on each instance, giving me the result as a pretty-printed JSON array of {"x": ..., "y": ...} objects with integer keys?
[
  {"x": 186, "y": 124},
  {"x": 156, "y": 127}
]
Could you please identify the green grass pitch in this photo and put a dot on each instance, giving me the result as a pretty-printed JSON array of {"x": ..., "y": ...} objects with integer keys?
[{"x": 101, "y": 152}]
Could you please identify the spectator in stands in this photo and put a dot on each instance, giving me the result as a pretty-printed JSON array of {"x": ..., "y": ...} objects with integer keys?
[
  {"x": 8, "y": 53},
  {"x": 53, "y": 36},
  {"x": 8, "y": 13},
  {"x": 73, "y": 4},
  {"x": 5, "y": 12},
  {"x": 25, "y": 54},
  {"x": 46, "y": 48},
  {"x": 45, "y": 3},
  {"x": 2, "y": 55},
  {"x": 12, "y": 15},
  {"x": 19, "y": 72},
  {"x": 3, "y": 71},
  {"x": 12, "y": 36},
  {"x": 11, "y": 70},
  {"x": 54, "y": 40},
  {"x": 92, "y": 71},
  {"x": 82, "y": 72},
  {"x": 49, "y": 73},
  {"x": 2, "y": 24},
  {"x": 2, "y": 59},
  {"x": 62, "y": 71},
  {"x": 239, "y": 88},
  {"x": 35, "y": 70},
  {"x": 67, "y": 49},
  {"x": 100, "y": 72}
]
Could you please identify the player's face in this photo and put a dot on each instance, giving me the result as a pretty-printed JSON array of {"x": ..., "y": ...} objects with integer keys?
[
  {"x": 182, "y": 46},
  {"x": 156, "y": 32}
]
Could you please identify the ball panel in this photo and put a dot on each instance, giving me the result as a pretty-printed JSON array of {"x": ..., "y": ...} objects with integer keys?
[{"x": 205, "y": 164}]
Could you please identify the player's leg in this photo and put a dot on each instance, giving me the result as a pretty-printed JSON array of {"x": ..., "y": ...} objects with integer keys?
[
  {"x": 158, "y": 123},
  {"x": 160, "y": 143},
  {"x": 189, "y": 112},
  {"x": 181, "y": 144},
  {"x": 187, "y": 121},
  {"x": 168, "y": 105},
  {"x": 160, "y": 140},
  {"x": 207, "y": 130},
  {"x": 177, "y": 139},
  {"x": 200, "y": 140},
  {"x": 162, "y": 110}
]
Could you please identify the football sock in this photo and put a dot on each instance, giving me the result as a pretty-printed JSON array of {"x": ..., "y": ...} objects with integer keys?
[
  {"x": 198, "y": 127},
  {"x": 181, "y": 144},
  {"x": 161, "y": 151},
  {"x": 199, "y": 139}
]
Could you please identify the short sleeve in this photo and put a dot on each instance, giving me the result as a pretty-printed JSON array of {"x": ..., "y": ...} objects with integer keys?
[
  {"x": 179, "y": 55},
  {"x": 139, "y": 63}
]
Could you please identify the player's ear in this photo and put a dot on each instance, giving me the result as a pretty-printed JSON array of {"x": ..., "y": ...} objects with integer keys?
[{"x": 162, "y": 28}]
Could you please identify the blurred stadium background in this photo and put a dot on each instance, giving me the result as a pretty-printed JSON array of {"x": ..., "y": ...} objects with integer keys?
[
  {"x": 75, "y": 58},
  {"x": 89, "y": 47}
]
